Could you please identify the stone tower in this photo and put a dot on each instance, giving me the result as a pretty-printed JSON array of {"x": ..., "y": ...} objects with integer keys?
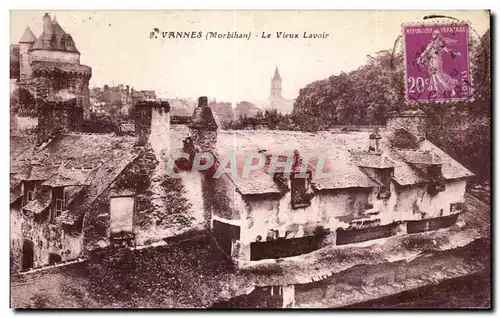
[
  {"x": 203, "y": 127},
  {"x": 25, "y": 44},
  {"x": 50, "y": 64},
  {"x": 276, "y": 86}
]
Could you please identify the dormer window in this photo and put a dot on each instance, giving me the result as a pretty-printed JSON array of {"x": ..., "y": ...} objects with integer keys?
[{"x": 436, "y": 181}]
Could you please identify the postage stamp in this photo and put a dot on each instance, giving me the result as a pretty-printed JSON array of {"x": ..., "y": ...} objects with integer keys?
[{"x": 437, "y": 62}]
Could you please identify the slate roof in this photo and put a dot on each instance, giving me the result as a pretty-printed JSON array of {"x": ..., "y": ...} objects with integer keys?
[
  {"x": 54, "y": 38},
  {"x": 15, "y": 189},
  {"x": 372, "y": 160},
  {"x": 28, "y": 36},
  {"x": 68, "y": 177},
  {"x": 341, "y": 151},
  {"x": 41, "y": 201},
  {"x": 77, "y": 159},
  {"x": 425, "y": 157}
]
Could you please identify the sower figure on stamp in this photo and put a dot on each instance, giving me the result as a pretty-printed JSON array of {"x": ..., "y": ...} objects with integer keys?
[{"x": 439, "y": 81}]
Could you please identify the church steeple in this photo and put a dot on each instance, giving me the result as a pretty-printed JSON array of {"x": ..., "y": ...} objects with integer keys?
[
  {"x": 275, "y": 86},
  {"x": 276, "y": 74}
]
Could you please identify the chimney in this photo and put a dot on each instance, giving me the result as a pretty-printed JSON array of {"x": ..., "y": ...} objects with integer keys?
[
  {"x": 374, "y": 141},
  {"x": 152, "y": 125},
  {"x": 203, "y": 127},
  {"x": 415, "y": 121},
  {"x": 58, "y": 115}
]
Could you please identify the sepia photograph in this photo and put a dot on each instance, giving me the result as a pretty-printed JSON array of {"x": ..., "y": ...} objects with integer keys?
[{"x": 244, "y": 159}]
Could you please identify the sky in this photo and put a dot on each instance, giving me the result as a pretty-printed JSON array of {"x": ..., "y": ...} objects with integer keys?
[{"x": 117, "y": 45}]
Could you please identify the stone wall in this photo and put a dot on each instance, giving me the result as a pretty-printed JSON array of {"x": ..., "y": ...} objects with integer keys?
[
  {"x": 25, "y": 122},
  {"x": 57, "y": 118},
  {"x": 414, "y": 202},
  {"x": 417, "y": 125},
  {"x": 47, "y": 238},
  {"x": 15, "y": 61},
  {"x": 55, "y": 56},
  {"x": 205, "y": 138}
]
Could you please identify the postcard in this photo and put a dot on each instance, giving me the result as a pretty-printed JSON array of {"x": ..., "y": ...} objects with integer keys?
[{"x": 250, "y": 159}]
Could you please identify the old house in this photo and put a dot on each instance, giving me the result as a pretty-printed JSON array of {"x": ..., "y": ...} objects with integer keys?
[
  {"x": 74, "y": 192},
  {"x": 357, "y": 186}
]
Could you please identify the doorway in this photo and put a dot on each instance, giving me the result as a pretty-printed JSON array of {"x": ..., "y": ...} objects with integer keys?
[{"x": 28, "y": 254}]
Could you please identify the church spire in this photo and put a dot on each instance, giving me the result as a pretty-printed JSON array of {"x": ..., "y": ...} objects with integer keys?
[{"x": 276, "y": 74}]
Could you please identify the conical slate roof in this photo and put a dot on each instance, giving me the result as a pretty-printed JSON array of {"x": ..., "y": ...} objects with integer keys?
[{"x": 28, "y": 36}]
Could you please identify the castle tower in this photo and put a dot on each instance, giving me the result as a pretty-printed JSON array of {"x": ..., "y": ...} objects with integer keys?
[
  {"x": 54, "y": 65},
  {"x": 276, "y": 86},
  {"x": 203, "y": 127},
  {"x": 25, "y": 44}
]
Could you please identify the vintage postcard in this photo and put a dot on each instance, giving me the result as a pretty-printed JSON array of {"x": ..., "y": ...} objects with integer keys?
[{"x": 250, "y": 159}]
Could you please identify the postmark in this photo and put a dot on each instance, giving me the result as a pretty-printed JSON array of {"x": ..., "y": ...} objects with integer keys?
[{"x": 437, "y": 62}]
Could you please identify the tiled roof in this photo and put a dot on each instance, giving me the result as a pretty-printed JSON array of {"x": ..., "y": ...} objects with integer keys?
[{"x": 339, "y": 150}]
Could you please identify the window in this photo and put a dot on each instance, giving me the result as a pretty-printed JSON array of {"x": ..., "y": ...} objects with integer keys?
[
  {"x": 456, "y": 207},
  {"x": 301, "y": 194},
  {"x": 30, "y": 195},
  {"x": 29, "y": 192},
  {"x": 121, "y": 214},
  {"x": 58, "y": 201}
]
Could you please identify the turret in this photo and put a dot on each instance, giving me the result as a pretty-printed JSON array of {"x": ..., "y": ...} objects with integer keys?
[{"x": 25, "y": 44}]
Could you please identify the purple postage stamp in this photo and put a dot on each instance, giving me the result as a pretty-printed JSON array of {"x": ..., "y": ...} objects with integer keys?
[{"x": 437, "y": 62}]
